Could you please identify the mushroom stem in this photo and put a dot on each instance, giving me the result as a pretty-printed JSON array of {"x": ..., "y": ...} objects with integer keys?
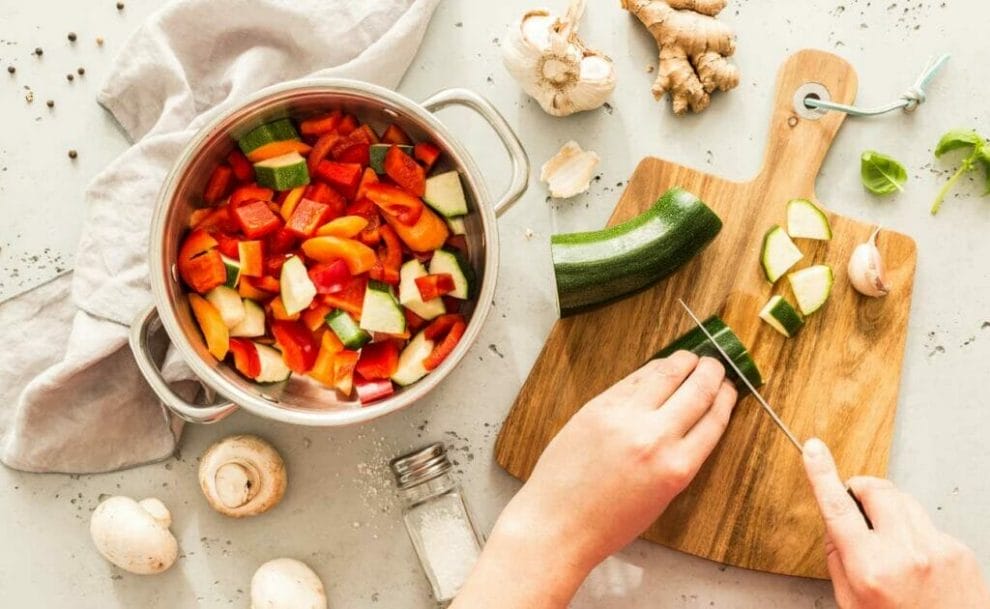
[{"x": 242, "y": 476}]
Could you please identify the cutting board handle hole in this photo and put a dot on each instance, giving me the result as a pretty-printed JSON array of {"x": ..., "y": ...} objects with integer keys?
[{"x": 810, "y": 90}]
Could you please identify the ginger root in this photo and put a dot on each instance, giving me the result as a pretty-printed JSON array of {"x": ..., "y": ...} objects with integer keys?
[{"x": 693, "y": 49}]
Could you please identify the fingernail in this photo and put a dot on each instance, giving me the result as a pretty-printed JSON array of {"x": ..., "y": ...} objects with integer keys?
[{"x": 815, "y": 448}]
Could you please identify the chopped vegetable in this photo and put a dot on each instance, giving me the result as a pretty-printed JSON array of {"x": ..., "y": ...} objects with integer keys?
[
  {"x": 256, "y": 219},
  {"x": 812, "y": 287},
  {"x": 212, "y": 326},
  {"x": 445, "y": 194},
  {"x": 282, "y": 172},
  {"x": 246, "y": 359},
  {"x": 410, "y": 296},
  {"x": 694, "y": 340},
  {"x": 347, "y": 330},
  {"x": 779, "y": 253},
  {"x": 329, "y": 277},
  {"x": 450, "y": 262},
  {"x": 377, "y": 152},
  {"x": 218, "y": 184},
  {"x": 448, "y": 330},
  {"x": 781, "y": 316},
  {"x": 427, "y": 154},
  {"x": 228, "y": 303},
  {"x": 405, "y": 171},
  {"x": 253, "y": 323},
  {"x": 251, "y": 256},
  {"x": 345, "y": 227},
  {"x": 297, "y": 290},
  {"x": 299, "y": 348},
  {"x": 200, "y": 263},
  {"x": 343, "y": 371},
  {"x": 435, "y": 286},
  {"x": 410, "y": 368},
  {"x": 395, "y": 202},
  {"x": 266, "y": 134},
  {"x": 273, "y": 368},
  {"x": 307, "y": 216},
  {"x": 370, "y": 391},
  {"x": 358, "y": 256},
  {"x": 806, "y": 221},
  {"x": 378, "y": 360},
  {"x": 380, "y": 311}
]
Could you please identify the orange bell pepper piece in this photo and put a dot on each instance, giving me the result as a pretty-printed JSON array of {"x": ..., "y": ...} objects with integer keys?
[
  {"x": 358, "y": 256},
  {"x": 292, "y": 199},
  {"x": 343, "y": 371},
  {"x": 322, "y": 370},
  {"x": 344, "y": 226},
  {"x": 277, "y": 308},
  {"x": 270, "y": 151},
  {"x": 428, "y": 234},
  {"x": 199, "y": 262},
  {"x": 320, "y": 125},
  {"x": 211, "y": 325}
]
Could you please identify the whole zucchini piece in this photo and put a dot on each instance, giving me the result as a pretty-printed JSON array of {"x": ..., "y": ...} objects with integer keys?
[
  {"x": 598, "y": 267},
  {"x": 696, "y": 342}
]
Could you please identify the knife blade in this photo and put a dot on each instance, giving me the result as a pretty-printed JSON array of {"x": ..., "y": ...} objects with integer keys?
[{"x": 756, "y": 394}]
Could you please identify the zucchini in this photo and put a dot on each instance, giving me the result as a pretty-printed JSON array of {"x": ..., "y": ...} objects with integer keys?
[
  {"x": 377, "y": 152},
  {"x": 282, "y": 172},
  {"x": 295, "y": 286},
  {"x": 233, "y": 268},
  {"x": 779, "y": 253},
  {"x": 276, "y": 131},
  {"x": 782, "y": 317},
  {"x": 347, "y": 330},
  {"x": 449, "y": 261},
  {"x": 253, "y": 324},
  {"x": 696, "y": 342},
  {"x": 598, "y": 267},
  {"x": 457, "y": 226},
  {"x": 445, "y": 194},
  {"x": 228, "y": 303},
  {"x": 812, "y": 287},
  {"x": 381, "y": 311},
  {"x": 273, "y": 368},
  {"x": 410, "y": 368},
  {"x": 409, "y": 295},
  {"x": 806, "y": 221}
]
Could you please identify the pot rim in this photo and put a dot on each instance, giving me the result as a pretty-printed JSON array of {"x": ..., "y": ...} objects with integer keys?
[{"x": 159, "y": 269}]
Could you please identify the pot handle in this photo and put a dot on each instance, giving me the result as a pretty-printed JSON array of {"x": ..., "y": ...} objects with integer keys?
[
  {"x": 484, "y": 108},
  {"x": 141, "y": 329}
]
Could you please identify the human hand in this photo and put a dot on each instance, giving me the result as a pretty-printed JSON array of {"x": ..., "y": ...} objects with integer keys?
[
  {"x": 904, "y": 562},
  {"x": 620, "y": 461}
]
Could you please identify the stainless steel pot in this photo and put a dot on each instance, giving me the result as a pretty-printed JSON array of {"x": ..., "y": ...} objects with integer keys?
[{"x": 301, "y": 400}]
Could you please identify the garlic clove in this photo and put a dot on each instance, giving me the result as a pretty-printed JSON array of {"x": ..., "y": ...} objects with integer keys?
[
  {"x": 866, "y": 270},
  {"x": 569, "y": 172}
]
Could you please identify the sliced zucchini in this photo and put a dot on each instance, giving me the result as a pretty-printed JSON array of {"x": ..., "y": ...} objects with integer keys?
[
  {"x": 282, "y": 172},
  {"x": 812, "y": 287},
  {"x": 296, "y": 287},
  {"x": 410, "y": 368},
  {"x": 381, "y": 311},
  {"x": 228, "y": 302},
  {"x": 445, "y": 194},
  {"x": 779, "y": 253},
  {"x": 598, "y": 267},
  {"x": 409, "y": 295},
  {"x": 273, "y": 368},
  {"x": 233, "y": 271},
  {"x": 696, "y": 342},
  {"x": 253, "y": 324},
  {"x": 449, "y": 261},
  {"x": 806, "y": 221},
  {"x": 276, "y": 131},
  {"x": 377, "y": 152},
  {"x": 347, "y": 330},
  {"x": 782, "y": 317},
  {"x": 457, "y": 226}
]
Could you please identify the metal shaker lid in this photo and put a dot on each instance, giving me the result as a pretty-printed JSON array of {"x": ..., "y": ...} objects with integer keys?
[{"x": 421, "y": 466}]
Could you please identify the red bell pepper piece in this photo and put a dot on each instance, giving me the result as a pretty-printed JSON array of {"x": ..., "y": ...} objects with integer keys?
[
  {"x": 350, "y": 298},
  {"x": 251, "y": 255},
  {"x": 218, "y": 184},
  {"x": 320, "y": 125},
  {"x": 378, "y": 360},
  {"x": 252, "y": 192},
  {"x": 280, "y": 242},
  {"x": 215, "y": 219},
  {"x": 246, "y": 359},
  {"x": 457, "y": 242},
  {"x": 273, "y": 265},
  {"x": 452, "y": 328},
  {"x": 307, "y": 217},
  {"x": 368, "y": 134},
  {"x": 405, "y": 171},
  {"x": 344, "y": 177},
  {"x": 242, "y": 167},
  {"x": 389, "y": 257},
  {"x": 320, "y": 150},
  {"x": 256, "y": 219},
  {"x": 368, "y": 177},
  {"x": 359, "y": 153},
  {"x": 434, "y": 286},
  {"x": 321, "y": 193},
  {"x": 364, "y": 207},
  {"x": 427, "y": 154},
  {"x": 227, "y": 245},
  {"x": 452, "y": 305},
  {"x": 330, "y": 277},
  {"x": 347, "y": 124},
  {"x": 343, "y": 371},
  {"x": 199, "y": 262},
  {"x": 266, "y": 283},
  {"x": 395, "y": 202},
  {"x": 395, "y": 135},
  {"x": 299, "y": 348},
  {"x": 413, "y": 322},
  {"x": 371, "y": 391}
]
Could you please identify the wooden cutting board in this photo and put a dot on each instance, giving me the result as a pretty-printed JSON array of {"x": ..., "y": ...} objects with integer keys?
[{"x": 750, "y": 506}]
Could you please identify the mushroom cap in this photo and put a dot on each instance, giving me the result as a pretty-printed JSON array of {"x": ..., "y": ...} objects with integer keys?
[
  {"x": 134, "y": 536},
  {"x": 286, "y": 583},
  {"x": 242, "y": 476}
]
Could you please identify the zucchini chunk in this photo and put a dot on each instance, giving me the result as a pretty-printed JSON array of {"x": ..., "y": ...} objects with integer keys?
[
  {"x": 782, "y": 317},
  {"x": 696, "y": 342},
  {"x": 445, "y": 194},
  {"x": 779, "y": 253},
  {"x": 377, "y": 152},
  {"x": 806, "y": 221},
  {"x": 598, "y": 267},
  {"x": 812, "y": 287},
  {"x": 411, "y": 368}
]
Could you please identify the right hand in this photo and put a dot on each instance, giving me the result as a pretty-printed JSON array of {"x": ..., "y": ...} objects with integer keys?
[{"x": 904, "y": 562}]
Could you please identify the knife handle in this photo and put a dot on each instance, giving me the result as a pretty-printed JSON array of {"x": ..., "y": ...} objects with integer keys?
[{"x": 859, "y": 505}]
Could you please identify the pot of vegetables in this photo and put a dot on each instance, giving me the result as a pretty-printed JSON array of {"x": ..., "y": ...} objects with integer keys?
[{"x": 324, "y": 254}]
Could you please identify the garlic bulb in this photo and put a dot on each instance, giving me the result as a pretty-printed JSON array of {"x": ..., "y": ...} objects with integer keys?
[
  {"x": 569, "y": 172},
  {"x": 544, "y": 54},
  {"x": 866, "y": 269}
]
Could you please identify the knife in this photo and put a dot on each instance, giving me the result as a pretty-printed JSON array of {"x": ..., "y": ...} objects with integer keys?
[{"x": 762, "y": 401}]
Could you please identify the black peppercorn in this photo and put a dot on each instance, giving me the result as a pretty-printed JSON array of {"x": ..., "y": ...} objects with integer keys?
[
  {"x": 39, "y": 51},
  {"x": 70, "y": 77},
  {"x": 50, "y": 103},
  {"x": 72, "y": 36},
  {"x": 73, "y": 154},
  {"x": 120, "y": 6},
  {"x": 11, "y": 69},
  {"x": 81, "y": 71}
]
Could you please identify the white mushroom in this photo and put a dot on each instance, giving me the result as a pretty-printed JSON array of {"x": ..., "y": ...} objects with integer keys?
[
  {"x": 285, "y": 583},
  {"x": 242, "y": 476},
  {"x": 134, "y": 535}
]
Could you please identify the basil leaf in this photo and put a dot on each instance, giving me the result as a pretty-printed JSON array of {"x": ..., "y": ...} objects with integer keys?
[
  {"x": 956, "y": 139},
  {"x": 881, "y": 174},
  {"x": 983, "y": 158}
]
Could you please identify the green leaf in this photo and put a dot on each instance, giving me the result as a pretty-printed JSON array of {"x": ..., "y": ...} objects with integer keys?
[
  {"x": 956, "y": 139},
  {"x": 881, "y": 174},
  {"x": 983, "y": 158}
]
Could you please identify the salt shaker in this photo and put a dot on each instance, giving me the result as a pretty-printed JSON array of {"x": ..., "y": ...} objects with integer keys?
[{"x": 437, "y": 519}]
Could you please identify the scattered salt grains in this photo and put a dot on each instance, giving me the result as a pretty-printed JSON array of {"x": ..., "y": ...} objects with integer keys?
[{"x": 528, "y": 233}]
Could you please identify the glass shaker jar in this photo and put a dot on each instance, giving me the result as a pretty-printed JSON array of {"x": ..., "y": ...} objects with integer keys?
[{"x": 437, "y": 519}]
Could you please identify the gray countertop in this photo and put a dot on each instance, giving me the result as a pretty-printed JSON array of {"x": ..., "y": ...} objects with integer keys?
[{"x": 340, "y": 514}]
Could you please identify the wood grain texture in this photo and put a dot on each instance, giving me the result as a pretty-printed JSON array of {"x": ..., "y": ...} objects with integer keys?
[{"x": 750, "y": 505}]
